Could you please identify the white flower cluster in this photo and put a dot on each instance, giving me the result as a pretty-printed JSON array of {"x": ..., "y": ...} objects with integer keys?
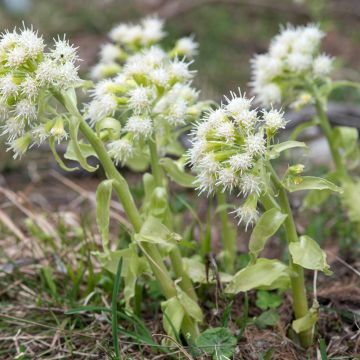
[
  {"x": 294, "y": 55},
  {"x": 28, "y": 73},
  {"x": 228, "y": 149},
  {"x": 129, "y": 39},
  {"x": 151, "y": 93}
]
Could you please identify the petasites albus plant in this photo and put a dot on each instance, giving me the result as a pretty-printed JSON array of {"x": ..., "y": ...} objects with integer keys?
[
  {"x": 295, "y": 72},
  {"x": 39, "y": 104},
  {"x": 233, "y": 149}
]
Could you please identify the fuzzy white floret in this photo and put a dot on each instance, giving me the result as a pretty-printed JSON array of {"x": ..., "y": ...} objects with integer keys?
[
  {"x": 7, "y": 86},
  {"x": 255, "y": 144},
  {"x": 274, "y": 120},
  {"x": 241, "y": 162},
  {"x": 140, "y": 98},
  {"x": 250, "y": 184},
  {"x": 186, "y": 46},
  {"x": 236, "y": 105},
  {"x": 29, "y": 87},
  {"x": 25, "y": 110},
  {"x": 179, "y": 70},
  {"x": 31, "y": 42},
  {"x": 120, "y": 150},
  {"x": 176, "y": 113},
  {"x": 159, "y": 77},
  {"x": 298, "y": 62},
  {"x": 109, "y": 53},
  {"x": 152, "y": 30},
  {"x": 322, "y": 65},
  {"x": 226, "y": 131},
  {"x": 13, "y": 128},
  {"x": 63, "y": 51},
  {"x": 100, "y": 108},
  {"x": 268, "y": 94},
  {"x": 227, "y": 179},
  {"x": 16, "y": 57},
  {"x": 247, "y": 215},
  {"x": 140, "y": 127}
]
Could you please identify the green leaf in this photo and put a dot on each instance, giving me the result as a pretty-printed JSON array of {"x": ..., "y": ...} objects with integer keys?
[
  {"x": 57, "y": 157},
  {"x": 306, "y": 322},
  {"x": 351, "y": 199},
  {"x": 315, "y": 198},
  {"x": 308, "y": 254},
  {"x": 77, "y": 150},
  {"x": 264, "y": 274},
  {"x": 153, "y": 231},
  {"x": 173, "y": 316},
  {"x": 267, "y": 318},
  {"x": 133, "y": 266},
  {"x": 310, "y": 183},
  {"x": 266, "y": 227},
  {"x": 190, "y": 306},
  {"x": 286, "y": 145},
  {"x": 218, "y": 342},
  {"x": 114, "y": 317},
  {"x": 177, "y": 173},
  {"x": 139, "y": 162},
  {"x": 197, "y": 271},
  {"x": 103, "y": 198},
  {"x": 346, "y": 139},
  {"x": 266, "y": 299},
  {"x": 86, "y": 149}
]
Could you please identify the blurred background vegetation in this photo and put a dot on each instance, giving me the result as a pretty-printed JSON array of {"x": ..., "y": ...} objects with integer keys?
[{"x": 229, "y": 31}]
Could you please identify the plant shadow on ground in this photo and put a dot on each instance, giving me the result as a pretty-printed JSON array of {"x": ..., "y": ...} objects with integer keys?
[{"x": 47, "y": 269}]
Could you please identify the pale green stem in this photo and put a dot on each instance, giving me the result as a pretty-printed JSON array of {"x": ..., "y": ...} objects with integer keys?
[
  {"x": 300, "y": 304},
  {"x": 227, "y": 236},
  {"x": 123, "y": 192},
  {"x": 329, "y": 134},
  {"x": 175, "y": 255}
]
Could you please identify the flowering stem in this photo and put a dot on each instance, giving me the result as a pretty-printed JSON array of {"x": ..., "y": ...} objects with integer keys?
[
  {"x": 123, "y": 192},
  {"x": 329, "y": 134},
  {"x": 175, "y": 255},
  {"x": 300, "y": 304},
  {"x": 228, "y": 237}
]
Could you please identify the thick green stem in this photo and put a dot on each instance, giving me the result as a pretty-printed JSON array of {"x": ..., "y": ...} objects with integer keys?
[
  {"x": 122, "y": 190},
  {"x": 329, "y": 134},
  {"x": 227, "y": 235},
  {"x": 300, "y": 304},
  {"x": 175, "y": 255}
]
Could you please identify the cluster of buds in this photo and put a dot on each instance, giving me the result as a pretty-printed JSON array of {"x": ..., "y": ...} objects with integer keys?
[
  {"x": 230, "y": 146},
  {"x": 149, "y": 94},
  {"x": 129, "y": 39},
  {"x": 28, "y": 77},
  {"x": 293, "y": 60}
]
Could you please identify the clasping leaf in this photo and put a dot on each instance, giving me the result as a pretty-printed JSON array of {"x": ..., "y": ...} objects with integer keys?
[{"x": 308, "y": 254}]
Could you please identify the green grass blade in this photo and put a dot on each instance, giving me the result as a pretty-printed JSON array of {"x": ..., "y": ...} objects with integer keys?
[{"x": 114, "y": 318}]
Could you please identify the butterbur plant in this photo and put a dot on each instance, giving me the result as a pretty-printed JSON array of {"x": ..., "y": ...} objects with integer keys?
[
  {"x": 39, "y": 104},
  {"x": 140, "y": 101},
  {"x": 296, "y": 73},
  {"x": 233, "y": 149}
]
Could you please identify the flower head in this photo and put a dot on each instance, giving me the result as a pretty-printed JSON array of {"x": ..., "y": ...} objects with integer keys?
[
  {"x": 230, "y": 147},
  {"x": 293, "y": 56},
  {"x": 31, "y": 74}
]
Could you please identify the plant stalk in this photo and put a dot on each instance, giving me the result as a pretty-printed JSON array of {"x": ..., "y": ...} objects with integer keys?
[
  {"x": 122, "y": 190},
  {"x": 300, "y": 304},
  {"x": 228, "y": 237},
  {"x": 175, "y": 255},
  {"x": 329, "y": 134}
]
